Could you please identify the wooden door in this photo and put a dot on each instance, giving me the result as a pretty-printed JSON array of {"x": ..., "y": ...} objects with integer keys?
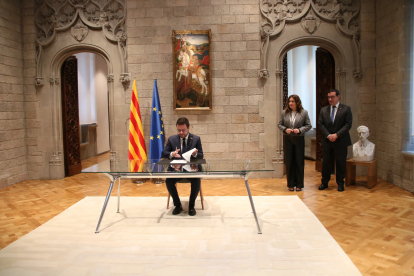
[
  {"x": 285, "y": 81},
  {"x": 325, "y": 80},
  {"x": 70, "y": 116}
]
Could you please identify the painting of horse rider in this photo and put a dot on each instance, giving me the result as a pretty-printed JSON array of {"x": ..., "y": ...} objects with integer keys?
[{"x": 191, "y": 69}]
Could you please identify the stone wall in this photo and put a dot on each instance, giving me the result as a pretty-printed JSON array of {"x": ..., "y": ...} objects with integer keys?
[
  {"x": 12, "y": 114},
  {"x": 231, "y": 129},
  {"x": 390, "y": 22},
  {"x": 366, "y": 113},
  {"x": 34, "y": 156}
]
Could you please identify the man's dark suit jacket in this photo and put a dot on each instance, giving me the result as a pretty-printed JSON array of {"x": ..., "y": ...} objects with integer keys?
[
  {"x": 341, "y": 126},
  {"x": 174, "y": 142}
]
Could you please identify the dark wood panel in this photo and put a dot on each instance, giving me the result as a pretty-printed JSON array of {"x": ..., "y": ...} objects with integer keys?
[
  {"x": 70, "y": 116},
  {"x": 285, "y": 81},
  {"x": 325, "y": 80}
]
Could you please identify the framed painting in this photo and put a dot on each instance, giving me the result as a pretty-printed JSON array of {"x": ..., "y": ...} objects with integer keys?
[{"x": 192, "y": 69}]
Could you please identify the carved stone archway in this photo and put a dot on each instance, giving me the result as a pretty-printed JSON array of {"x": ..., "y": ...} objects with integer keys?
[
  {"x": 64, "y": 28},
  {"x": 56, "y": 162},
  {"x": 289, "y": 24},
  {"x": 53, "y": 17},
  {"x": 344, "y": 15}
]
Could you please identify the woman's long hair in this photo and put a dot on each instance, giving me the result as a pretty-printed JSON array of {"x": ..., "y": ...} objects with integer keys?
[{"x": 298, "y": 104}]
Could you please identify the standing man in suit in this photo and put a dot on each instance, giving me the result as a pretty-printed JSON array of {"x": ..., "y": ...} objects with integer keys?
[
  {"x": 335, "y": 121},
  {"x": 177, "y": 145}
]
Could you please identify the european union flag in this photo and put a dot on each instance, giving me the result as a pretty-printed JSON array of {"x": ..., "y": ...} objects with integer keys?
[{"x": 157, "y": 135}]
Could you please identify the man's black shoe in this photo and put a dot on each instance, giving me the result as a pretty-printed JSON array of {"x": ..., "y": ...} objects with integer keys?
[
  {"x": 192, "y": 211},
  {"x": 177, "y": 210},
  {"x": 341, "y": 188},
  {"x": 323, "y": 187}
]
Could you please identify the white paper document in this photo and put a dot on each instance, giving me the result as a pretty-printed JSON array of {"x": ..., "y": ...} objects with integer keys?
[
  {"x": 178, "y": 162},
  {"x": 187, "y": 155}
]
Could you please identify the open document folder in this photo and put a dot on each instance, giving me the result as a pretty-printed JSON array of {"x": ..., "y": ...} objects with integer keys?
[{"x": 187, "y": 158}]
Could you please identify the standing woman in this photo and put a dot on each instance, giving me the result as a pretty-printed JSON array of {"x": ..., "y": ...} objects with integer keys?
[{"x": 294, "y": 123}]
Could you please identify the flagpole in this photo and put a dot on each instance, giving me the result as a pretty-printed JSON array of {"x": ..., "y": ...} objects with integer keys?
[
  {"x": 138, "y": 181},
  {"x": 157, "y": 135},
  {"x": 137, "y": 153}
]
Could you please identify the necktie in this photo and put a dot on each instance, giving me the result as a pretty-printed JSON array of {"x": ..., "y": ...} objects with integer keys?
[
  {"x": 333, "y": 114},
  {"x": 184, "y": 145}
]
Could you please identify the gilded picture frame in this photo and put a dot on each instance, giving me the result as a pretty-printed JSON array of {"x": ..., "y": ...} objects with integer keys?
[{"x": 192, "y": 69}]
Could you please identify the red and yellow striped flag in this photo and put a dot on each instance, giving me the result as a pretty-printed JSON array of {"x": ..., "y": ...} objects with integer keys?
[{"x": 137, "y": 151}]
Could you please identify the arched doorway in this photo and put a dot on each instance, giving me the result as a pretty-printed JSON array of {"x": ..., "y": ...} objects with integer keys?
[
  {"x": 309, "y": 72},
  {"x": 272, "y": 140},
  {"x": 54, "y": 93},
  {"x": 85, "y": 120}
]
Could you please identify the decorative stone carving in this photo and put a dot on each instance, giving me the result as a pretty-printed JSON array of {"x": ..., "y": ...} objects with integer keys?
[
  {"x": 281, "y": 11},
  {"x": 278, "y": 158},
  {"x": 110, "y": 78},
  {"x": 279, "y": 73},
  {"x": 52, "y": 80},
  {"x": 39, "y": 82},
  {"x": 121, "y": 38},
  {"x": 56, "y": 160},
  {"x": 344, "y": 13},
  {"x": 310, "y": 23},
  {"x": 39, "y": 54},
  {"x": 341, "y": 73},
  {"x": 357, "y": 73},
  {"x": 363, "y": 150},
  {"x": 124, "y": 78},
  {"x": 56, "y": 81},
  {"x": 79, "y": 31},
  {"x": 54, "y": 16},
  {"x": 264, "y": 74}
]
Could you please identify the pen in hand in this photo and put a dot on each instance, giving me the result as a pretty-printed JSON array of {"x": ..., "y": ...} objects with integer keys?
[{"x": 175, "y": 154}]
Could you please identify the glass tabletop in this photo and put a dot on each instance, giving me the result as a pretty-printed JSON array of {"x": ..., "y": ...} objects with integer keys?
[{"x": 176, "y": 166}]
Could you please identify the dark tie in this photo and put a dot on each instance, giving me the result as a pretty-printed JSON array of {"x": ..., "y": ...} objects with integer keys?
[
  {"x": 184, "y": 146},
  {"x": 333, "y": 114}
]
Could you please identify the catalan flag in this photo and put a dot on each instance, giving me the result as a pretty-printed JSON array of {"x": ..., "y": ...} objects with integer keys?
[
  {"x": 157, "y": 135},
  {"x": 137, "y": 151}
]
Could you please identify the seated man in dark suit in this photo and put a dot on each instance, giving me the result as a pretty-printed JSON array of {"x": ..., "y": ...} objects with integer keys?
[{"x": 181, "y": 143}]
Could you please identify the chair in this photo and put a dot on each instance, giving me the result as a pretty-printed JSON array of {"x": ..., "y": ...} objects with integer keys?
[{"x": 185, "y": 180}]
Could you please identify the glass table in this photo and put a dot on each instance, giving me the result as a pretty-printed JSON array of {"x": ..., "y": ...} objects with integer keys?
[{"x": 164, "y": 168}]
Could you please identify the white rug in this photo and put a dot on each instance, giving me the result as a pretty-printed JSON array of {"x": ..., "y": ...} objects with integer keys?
[{"x": 146, "y": 239}]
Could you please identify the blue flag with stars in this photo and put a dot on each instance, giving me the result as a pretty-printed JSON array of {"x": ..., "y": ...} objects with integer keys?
[{"x": 157, "y": 134}]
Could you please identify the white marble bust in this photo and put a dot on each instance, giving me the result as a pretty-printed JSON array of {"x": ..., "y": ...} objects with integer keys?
[{"x": 363, "y": 149}]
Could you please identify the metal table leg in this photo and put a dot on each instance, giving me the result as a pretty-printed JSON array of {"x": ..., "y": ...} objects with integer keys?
[
  {"x": 119, "y": 194},
  {"x": 106, "y": 202},
  {"x": 246, "y": 182}
]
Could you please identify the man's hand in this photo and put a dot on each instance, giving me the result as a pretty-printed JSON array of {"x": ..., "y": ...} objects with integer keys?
[
  {"x": 175, "y": 153},
  {"x": 296, "y": 131},
  {"x": 333, "y": 137},
  {"x": 288, "y": 130},
  {"x": 194, "y": 167},
  {"x": 194, "y": 153},
  {"x": 176, "y": 167}
]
